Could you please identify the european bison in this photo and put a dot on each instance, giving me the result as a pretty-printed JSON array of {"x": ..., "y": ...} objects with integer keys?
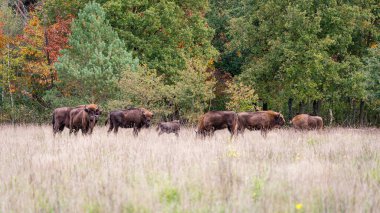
[
  {"x": 135, "y": 118},
  {"x": 262, "y": 120},
  {"x": 61, "y": 118},
  {"x": 307, "y": 122},
  {"x": 84, "y": 118},
  {"x": 216, "y": 120},
  {"x": 168, "y": 127}
]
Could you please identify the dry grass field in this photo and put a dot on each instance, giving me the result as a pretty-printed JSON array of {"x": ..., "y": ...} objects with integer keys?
[{"x": 337, "y": 170}]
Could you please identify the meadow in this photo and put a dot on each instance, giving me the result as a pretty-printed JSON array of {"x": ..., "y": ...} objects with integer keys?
[{"x": 335, "y": 170}]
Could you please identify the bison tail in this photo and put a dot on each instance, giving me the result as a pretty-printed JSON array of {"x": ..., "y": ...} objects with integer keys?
[
  {"x": 53, "y": 121},
  {"x": 106, "y": 122},
  {"x": 236, "y": 124}
]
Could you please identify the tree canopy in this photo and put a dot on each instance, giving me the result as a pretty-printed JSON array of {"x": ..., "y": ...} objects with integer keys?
[
  {"x": 182, "y": 58},
  {"x": 96, "y": 57}
]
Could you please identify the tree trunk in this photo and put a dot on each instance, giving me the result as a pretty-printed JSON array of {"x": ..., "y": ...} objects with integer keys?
[
  {"x": 10, "y": 87},
  {"x": 52, "y": 73},
  {"x": 331, "y": 117},
  {"x": 354, "y": 112},
  {"x": 361, "y": 113},
  {"x": 265, "y": 106},
  {"x": 315, "y": 107},
  {"x": 290, "y": 113},
  {"x": 301, "y": 108}
]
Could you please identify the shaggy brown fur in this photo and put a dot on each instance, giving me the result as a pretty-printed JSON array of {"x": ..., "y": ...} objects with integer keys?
[
  {"x": 84, "y": 119},
  {"x": 169, "y": 127},
  {"x": 262, "y": 120},
  {"x": 61, "y": 118},
  {"x": 216, "y": 120},
  {"x": 135, "y": 118},
  {"x": 307, "y": 122}
]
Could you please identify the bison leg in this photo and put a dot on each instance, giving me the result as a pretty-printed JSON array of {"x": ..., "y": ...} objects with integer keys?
[
  {"x": 76, "y": 130},
  {"x": 241, "y": 131},
  {"x": 135, "y": 131},
  {"x": 58, "y": 128},
  {"x": 55, "y": 130},
  {"x": 160, "y": 133},
  {"x": 116, "y": 129},
  {"x": 211, "y": 133},
  {"x": 232, "y": 131},
  {"x": 110, "y": 128},
  {"x": 61, "y": 127},
  {"x": 71, "y": 130},
  {"x": 264, "y": 132},
  {"x": 176, "y": 134},
  {"x": 229, "y": 129},
  {"x": 84, "y": 131}
]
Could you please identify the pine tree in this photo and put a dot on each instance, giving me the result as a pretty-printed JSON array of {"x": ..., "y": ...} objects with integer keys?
[{"x": 92, "y": 66}]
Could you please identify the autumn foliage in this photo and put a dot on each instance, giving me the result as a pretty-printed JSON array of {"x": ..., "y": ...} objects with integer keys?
[
  {"x": 37, "y": 72},
  {"x": 2, "y": 36},
  {"x": 57, "y": 37}
]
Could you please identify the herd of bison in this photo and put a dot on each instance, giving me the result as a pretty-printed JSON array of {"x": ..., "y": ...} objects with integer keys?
[{"x": 85, "y": 117}]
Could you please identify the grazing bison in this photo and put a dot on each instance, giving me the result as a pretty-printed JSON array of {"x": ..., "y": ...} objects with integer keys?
[
  {"x": 262, "y": 120},
  {"x": 61, "y": 118},
  {"x": 216, "y": 120},
  {"x": 307, "y": 122},
  {"x": 168, "y": 127},
  {"x": 135, "y": 118},
  {"x": 84, "y": 119}
]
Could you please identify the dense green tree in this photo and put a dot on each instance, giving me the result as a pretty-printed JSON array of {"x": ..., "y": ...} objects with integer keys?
[
  {"x": 92, "y": 66},
  {"x": 144, "y": 88},
  {"x": 241, "y": 97},
  {"x": 219, "y": 18},
  {"x": 53, "y": 9},
  {"x": 10, "y": 29},
  {"x": 297, "y": 56},
  {"x": 189, "y": 97},
  {"x": 194, "y": 90},
  {"x": 373, "y": 77},
  {"x": 163, "y": 34},
  {"x": 304, "y": 51}
]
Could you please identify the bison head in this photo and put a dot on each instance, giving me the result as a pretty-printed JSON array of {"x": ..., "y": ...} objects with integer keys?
[
  {"x": 147, "y": 116},
  {"x": 279, "y": 120},
  {"x": 93, "y": 112}
]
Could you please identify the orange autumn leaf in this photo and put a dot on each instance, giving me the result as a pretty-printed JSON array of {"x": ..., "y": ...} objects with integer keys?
[{"x": 57, "y": 36}]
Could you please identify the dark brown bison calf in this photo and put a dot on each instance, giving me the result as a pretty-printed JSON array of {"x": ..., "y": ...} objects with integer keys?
[
  {"x": 216, "y": 120},
  {"x": 169, "y": 127},
  {"x": 262, "y": 120},
  {"x": 135, "y": 118},
  {"x": 84, "y": 119},
  {"x": 307, "y": 122}
]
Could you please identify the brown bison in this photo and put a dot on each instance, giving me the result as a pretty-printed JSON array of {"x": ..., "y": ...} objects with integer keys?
[
  {"x": 61, "y": 118},
  {"x": 307, "y": 122},
  {"x": 84, "y": 119},
  {"x": 216, "y": 120},
  {"x": 262, "y": 120},
  {"x": 135, "y": 118},
  {"x": 169, "y": 127}
]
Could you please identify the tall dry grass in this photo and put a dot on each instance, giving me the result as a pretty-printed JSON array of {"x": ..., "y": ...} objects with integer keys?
[{"x": 334, "y": 170}]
